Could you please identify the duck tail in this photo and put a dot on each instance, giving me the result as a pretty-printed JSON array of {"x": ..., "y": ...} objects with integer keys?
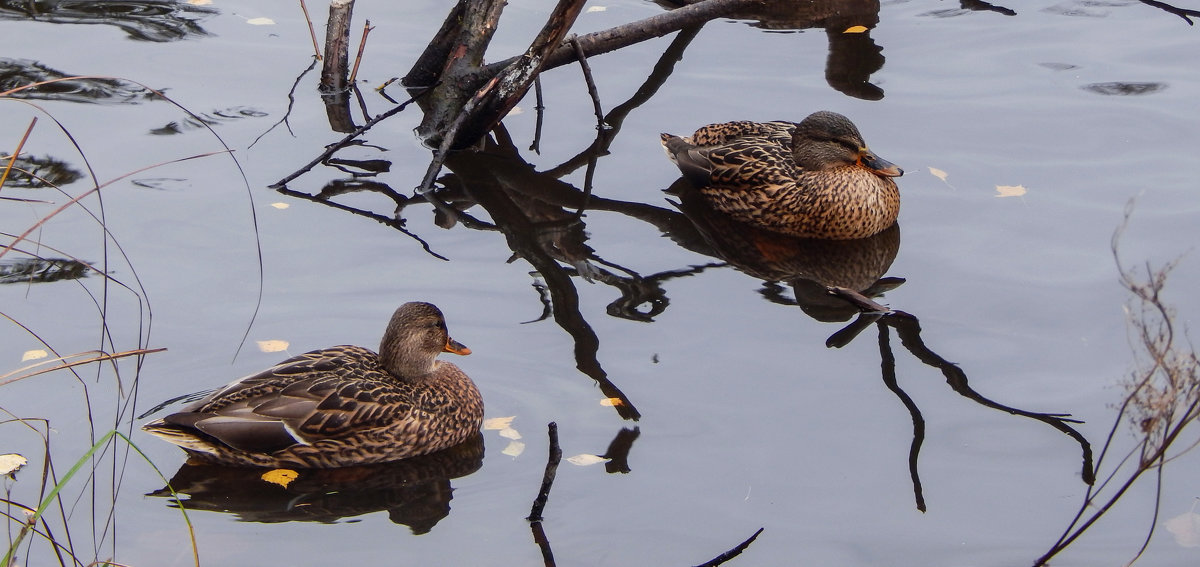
[{"x": 674, "y": 145}]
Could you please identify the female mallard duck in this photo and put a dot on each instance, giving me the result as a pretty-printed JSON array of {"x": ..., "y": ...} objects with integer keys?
[
  {"x": 814, "y": 179},
  {"x": 339, "y": 406}
]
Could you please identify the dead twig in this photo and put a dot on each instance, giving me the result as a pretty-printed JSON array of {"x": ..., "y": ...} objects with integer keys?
[
  {"x": 587, "y": 77},
  {"x": 362, "y": 44},
  {"x": 539, "y": 503},
  {"x": 540, "y": 108},
  {"x": 17, "y": 152},
  {"x": 311, "y": 31},
  {"x": 555, "y": 456}
]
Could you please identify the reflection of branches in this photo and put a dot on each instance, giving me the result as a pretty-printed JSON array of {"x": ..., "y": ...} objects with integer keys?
[
  {"x": 616, "y": 117},
  {"x": 620, "y": 447},
  {"x": 637, "y": 291},
  {"x": 908, "y": 328},
  {"x": 1163, "y": 398},
  {"x": 1185, "y": 13},
  {"x": 889, "y": 379},
  {"x": 395, "y": 223},
  {"x": 618, "y": 450},
  {"x": 346, "y": 140},
  {"x": 522, "y": 233},
  {"x": 291, "y": 96}
]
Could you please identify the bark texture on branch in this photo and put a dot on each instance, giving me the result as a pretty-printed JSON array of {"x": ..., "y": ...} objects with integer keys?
[
  {"x": 472, "y": 98},
  {"x": 337, "y": 46}
]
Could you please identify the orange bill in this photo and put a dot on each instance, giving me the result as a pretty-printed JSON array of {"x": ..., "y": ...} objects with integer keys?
[
  {"x": 878, "y": 165},
  {"x": 455, "y": 347}
]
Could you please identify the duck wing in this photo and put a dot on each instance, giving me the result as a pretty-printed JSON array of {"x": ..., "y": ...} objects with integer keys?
[
  {"x": 735, "y": 154},
  {"x": 318, "y": 395}
]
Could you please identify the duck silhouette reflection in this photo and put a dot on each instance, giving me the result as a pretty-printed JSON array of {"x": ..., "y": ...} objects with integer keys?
[
  {"x": 812, "y": 267},
  {"x": 415, "y": 492}
]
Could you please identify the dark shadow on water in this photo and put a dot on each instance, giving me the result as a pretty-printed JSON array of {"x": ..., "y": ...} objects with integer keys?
[
  {"x": 414, "y": 492},
  {"x": 36, "y": 172},
  {"x": 143, "y": 20},
  {"x": 853, "y": 57},
  {"x": 41, "y": 270},
  {"x": 16, "y": 73}
]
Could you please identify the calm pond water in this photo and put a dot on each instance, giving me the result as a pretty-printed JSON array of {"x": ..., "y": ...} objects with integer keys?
[{"x": 746, "y": 418}]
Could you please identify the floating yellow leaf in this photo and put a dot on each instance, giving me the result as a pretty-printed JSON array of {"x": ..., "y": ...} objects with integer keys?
[
  {"x": 280, "y": 205},
  {"x": 272, "y": 345},
  {"x": 498, "y": 422},
  {"x": 34, "y": 355},
  {"x": 282, "y": 477},
  {"x": 855, "y": 29},
  {"x": 510, "y": 433},
  {"x": 514, "y": 449},
  {"x": 11, "y": 463},
  {"x": 261, "y": 22},
  {"x": 612, "y": 402},
  {"x": 1009, "y": 190},
  {"x": 199, "y": 2},
  {"x": 596, "y": 9},
  {"x": 585, "y": 459}
]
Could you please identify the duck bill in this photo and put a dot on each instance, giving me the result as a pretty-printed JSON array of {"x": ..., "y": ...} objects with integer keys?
[
  {"x": 456, "y": 347},
  {"x": 880, "y": 166}
]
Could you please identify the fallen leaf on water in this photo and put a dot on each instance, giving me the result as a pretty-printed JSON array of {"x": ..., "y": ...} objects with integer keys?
[
  {"x": 1186, "y": 529},
  {"x": 510, "y": 433},
  {"x": 34, "y": 355},
  {"x": 585, "y": 459},
  {"x": 10, "y": 463},
  {"x": 199, "y": 2},
  {"x": 282, "y": 477},
  {"x": 612, "y": 402},
  {"x": 1010, "y": 190},
  {"x": 514, "y": 449},
  {"x": 597, "y": 9},
  {"x": 855, "y": 29},
  {"x": 941, "y": 175},
  {"x": 498, "y": 422},
  {"x": 273, "y": 345},
  {"x": 261, "y": 22},
  {"x": 280, "y": 205}
]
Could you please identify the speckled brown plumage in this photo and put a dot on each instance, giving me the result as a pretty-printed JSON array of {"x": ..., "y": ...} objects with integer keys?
[
  {"x": 814, "y": 179},
  {"x": 339, "y": 406}
]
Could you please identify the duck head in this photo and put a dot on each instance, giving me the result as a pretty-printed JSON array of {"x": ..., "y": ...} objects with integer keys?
[
  {"x": 414, "y": 338},
  {"x": 826, "y": 140}
]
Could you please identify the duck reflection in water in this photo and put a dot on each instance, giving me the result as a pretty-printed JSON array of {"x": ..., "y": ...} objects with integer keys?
[
  {"x": 833, "y": 281},
  {"x": 822, "y": 273},
  {"x": 415, "y": 492}
]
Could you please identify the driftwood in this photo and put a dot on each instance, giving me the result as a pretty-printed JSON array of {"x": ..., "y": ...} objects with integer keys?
[{"x": 472, "y": 97}]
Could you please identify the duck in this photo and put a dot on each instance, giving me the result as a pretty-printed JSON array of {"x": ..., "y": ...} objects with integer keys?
[
  {"x": 339, "y": 406},
  {"x": 812, "y": 179}
]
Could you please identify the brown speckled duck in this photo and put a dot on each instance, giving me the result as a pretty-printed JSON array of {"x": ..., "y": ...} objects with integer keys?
[
  {"x": 815, "y": 179},
  {"x": 340, "y": 406}
]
